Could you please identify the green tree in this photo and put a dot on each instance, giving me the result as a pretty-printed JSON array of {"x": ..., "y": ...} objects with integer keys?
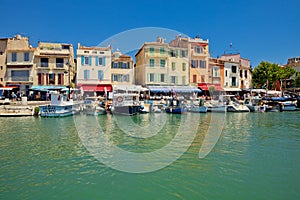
[
  {"x": 297, "y": 81},
  {"x": 285, "y": 73},
  {"x": 265, "y": 74}
]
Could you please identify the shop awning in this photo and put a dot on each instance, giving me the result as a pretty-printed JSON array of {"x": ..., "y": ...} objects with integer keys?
[
  {"x": 96, "y": 88},
  {"x": 232, "y": 89},
  {"x": 47, "y": 87},
  {"x": 178, "y": 89},
  {"x": 206, "y": 86},
  {"x": 7, "y": 88},
  {"x": 133, "y": 88}
]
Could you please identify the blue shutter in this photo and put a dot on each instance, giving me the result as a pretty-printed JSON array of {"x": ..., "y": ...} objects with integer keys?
[
  {"x": 103, "y": 61},
  {"x": 97, "y": 61},
  {"x": 90, "y": 60},
  {"x": 82, "y": 60}
]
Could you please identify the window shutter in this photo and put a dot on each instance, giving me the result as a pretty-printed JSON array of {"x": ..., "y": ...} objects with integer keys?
[
  {"x": 103, "y": 61},
  {"x": 158, "y": 78},
  {"x": 42, "y": 78},
  {"x": 97, "y": 61},
  {"x": 47, "y": 79},
  {"x": 82, "y": 60},
  {"x": 62, "y": 79},
  {"x": 148, "y": 78},
  {"x": 54, "y": 79},
  {"x": 90, "y": 60}
]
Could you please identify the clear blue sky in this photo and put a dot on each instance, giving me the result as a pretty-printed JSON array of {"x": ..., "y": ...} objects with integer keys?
[{"x": 266, "y": 30}]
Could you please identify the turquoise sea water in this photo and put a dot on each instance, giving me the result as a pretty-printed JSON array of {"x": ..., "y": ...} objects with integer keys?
[{"x": 256, "y": 157}]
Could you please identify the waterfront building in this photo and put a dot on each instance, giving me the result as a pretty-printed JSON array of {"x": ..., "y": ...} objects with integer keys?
[
  {"x": 160, "y": 64},
  {"x": 216, "y": 72},
  {"x": 152, "y": 64},
  {"x": 94, "y": 69},
  {"x": 122, "y": 69},
  {"x": 295, "y": 63},
  {"x": 54, "y": 66},
  {"x": 3, "y": 46},
  {"x": 237, "y": 72},
  {"x": 198, "y": 60},
  {"x": 19, "y": 71}
]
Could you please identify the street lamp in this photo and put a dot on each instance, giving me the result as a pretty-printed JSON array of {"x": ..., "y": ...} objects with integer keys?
[{"x": 69, "y": 74}]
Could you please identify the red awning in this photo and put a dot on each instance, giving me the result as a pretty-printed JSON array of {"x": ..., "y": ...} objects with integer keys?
[
  {"x": 96, "y": 88},
  {"x": 205, "y": 86}
]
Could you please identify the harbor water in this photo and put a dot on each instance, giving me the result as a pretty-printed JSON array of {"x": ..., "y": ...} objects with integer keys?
[{"x": 257, "y": 156}]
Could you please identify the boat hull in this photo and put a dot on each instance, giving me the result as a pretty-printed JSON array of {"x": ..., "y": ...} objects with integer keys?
[
  {"x": 126, "y": 110},
  {"x": 176, "y": 110}
]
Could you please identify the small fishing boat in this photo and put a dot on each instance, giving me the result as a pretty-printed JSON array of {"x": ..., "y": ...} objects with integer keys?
[
  {"x": 198, "y": 109},
  {"x": 176, "y": 106},
  {"x": 60, "y": 107},
  {"x": 125, "y": 104},
  {"x": 288, "y": 106},
  {"x": 94, "y": 106}
]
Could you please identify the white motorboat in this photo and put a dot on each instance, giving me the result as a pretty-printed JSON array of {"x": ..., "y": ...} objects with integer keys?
[{"x": 60, "y": 107}]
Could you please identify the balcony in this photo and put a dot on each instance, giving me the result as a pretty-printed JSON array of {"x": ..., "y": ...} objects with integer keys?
[{"x": 19, "y": 79}]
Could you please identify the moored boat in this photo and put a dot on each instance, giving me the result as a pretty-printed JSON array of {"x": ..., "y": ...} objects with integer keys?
[
  {"x": 60, "y": 107},
  {"x": 176, "y": 106},
  {"x": 125, "y": 104}
]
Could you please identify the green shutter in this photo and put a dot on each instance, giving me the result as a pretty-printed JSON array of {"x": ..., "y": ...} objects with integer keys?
[
  {"x": 103, "y": 61},
  {"x": 82, "y": 60},
  {"x": 97, "y": 61}
]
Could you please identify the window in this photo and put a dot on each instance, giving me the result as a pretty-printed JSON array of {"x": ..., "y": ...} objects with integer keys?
[
  {"x": 194, "y": 78},
  {"x": 86, "y": 52},
  {"x": 183, "y": 80},
  {"x": 151, "y": 62},
  {"x": 162, "y": 77},
  {"x": 162, "y": 63},
  {"x": 233, "y": 69},
  {"x": 246, "y": 73},
  {"x": 183, "y": 66},
  {"x": 101, "y": 52},
  {"x": 102, "y": 61},
  {"x": 194, "y": 64},
  {"x": 202, "y": 64},
  {"x": 241, "y": 73},
  {"x": 162, "y": 51},
  {"x": 86, "y": 74},
  {"x": 172, "y": 53},
  {"x": 26, "y": 56},
  {"x": 233, "y": 81},
  {"x": 115, "y": 65},
  {"x": 173, "y": 66},
  {"x": 202, "y": 78},
  {"x": 124, "y": 66},
  {"x": 14, "y": 57},
  {"x": 115, "y": 77},
  {"x": 183, "y": 53},
  {"x": 226, "y": 73},
  {"x": 125, "y": 78},
  {"x": 216, "y": 71},
  {"x": 40, "y": 79},
  {"x": 173, "y": 79},
  {"x": 151, "y": 50},
  {"x": 20, "y": 75},
  {"x": 60, "y": 79},
  {"x": 100, "y": 75},
  {"x": 151, "y": 77},
  {"x": 198, "y": 49},
  {"x": 65, "y": 47},
  {"x": 44, "y": 62},
  {"x": 1, "y": 67},
  {"x": 1, "y": 79},
  {"x": 51, "y": 79},
  {"x": 86, "y": 60},
  {"x": 59, "y": 62}
]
